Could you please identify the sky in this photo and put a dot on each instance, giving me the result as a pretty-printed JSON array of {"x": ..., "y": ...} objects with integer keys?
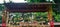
[{"x": 17, "y": 1}]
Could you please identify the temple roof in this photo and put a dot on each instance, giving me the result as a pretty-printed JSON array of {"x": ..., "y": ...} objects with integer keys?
[{"x": 26, "y": 7}]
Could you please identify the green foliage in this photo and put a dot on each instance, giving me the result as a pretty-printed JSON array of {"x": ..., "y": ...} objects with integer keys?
[
  {"x": 38, "y": 16},
  {"x": 1, "y": 7},
  {"x": 0, "y": 19},
  {"x": 57, "y": 17},
  {"x": 27, "y": 19},
  {"x": 35, "y": 1},
  {"x": 28, "y": 16}
]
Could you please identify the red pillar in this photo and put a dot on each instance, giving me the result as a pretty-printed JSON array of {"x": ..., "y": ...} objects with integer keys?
[
  {"x": 4, "y": 19},
  {"x": 50, "y": 18}
]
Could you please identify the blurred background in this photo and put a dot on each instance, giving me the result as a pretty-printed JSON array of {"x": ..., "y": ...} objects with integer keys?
[{"x": 10, "y": 10}]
